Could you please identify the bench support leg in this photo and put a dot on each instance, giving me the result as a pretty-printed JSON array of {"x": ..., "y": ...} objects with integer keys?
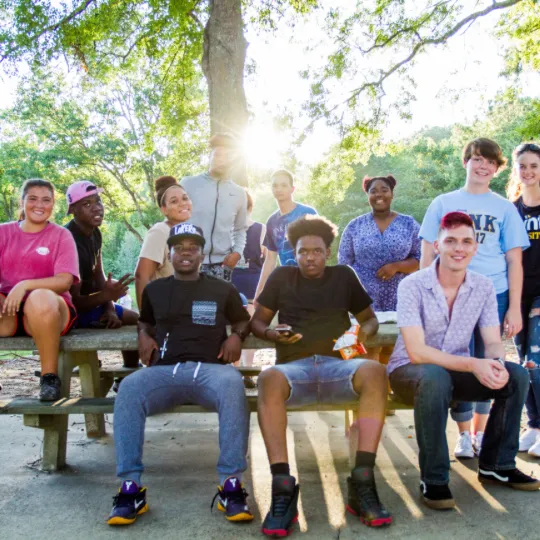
[
  {"x": 55, "y": 429},
  {"x": 91, "y": 387}
]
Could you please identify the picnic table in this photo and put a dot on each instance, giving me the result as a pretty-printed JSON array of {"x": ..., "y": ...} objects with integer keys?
[{"x": 80, "y": 349}]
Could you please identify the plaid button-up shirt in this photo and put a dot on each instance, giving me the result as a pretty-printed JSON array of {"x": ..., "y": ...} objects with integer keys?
[{"x": 421, "y": 302}]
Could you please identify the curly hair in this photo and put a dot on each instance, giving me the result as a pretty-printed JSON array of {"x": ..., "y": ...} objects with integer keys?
[
  {"x": 162, "y": 185},
  {"x": 389, "y": 180},
  {"x": 311, "y": 225}
]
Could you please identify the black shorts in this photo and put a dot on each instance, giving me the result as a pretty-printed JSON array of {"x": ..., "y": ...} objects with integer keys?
[{"x": 20, "y": 330}]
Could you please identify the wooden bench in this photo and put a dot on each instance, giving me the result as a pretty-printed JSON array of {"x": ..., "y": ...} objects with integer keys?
[{"x": 79, "y": 349}]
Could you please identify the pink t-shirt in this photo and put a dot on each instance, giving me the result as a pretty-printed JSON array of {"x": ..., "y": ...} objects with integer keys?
[{"x": 39, "y": 255}]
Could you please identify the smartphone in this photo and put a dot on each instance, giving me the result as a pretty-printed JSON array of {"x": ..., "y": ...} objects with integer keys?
[{"x": 284, "y": 330}]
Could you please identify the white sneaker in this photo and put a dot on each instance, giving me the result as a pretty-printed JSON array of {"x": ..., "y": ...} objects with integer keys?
[
  {"x": 527, "y": 439},
  {"x": 477, "y": 442},
  {"x": 464, "y": 447},
  {"x": 534, "y": 450}
]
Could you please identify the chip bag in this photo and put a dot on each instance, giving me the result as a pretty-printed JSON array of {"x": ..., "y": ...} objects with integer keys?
[{"x": 348, "y": 345}]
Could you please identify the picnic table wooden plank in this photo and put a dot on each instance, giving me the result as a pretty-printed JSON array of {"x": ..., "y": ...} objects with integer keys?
[
  {"x": 125, "y": 338},
  {"x": 65, "y": 406}
]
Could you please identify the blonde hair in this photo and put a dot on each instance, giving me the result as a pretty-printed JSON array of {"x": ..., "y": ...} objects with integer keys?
[{"x": 513, "y": 188}]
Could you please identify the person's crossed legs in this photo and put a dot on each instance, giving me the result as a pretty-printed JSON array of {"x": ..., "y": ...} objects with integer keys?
[
  {"x": 300, "y": 383},
  {"x": 431, "y": 389}
]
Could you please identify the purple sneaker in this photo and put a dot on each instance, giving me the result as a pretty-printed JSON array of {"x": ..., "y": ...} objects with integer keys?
[
  {"x": 232, "y": 500},
  {"x": 128, "y": 504}
]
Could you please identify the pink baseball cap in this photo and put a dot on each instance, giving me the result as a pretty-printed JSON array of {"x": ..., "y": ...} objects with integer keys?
[{"x": 80, "y": 190}]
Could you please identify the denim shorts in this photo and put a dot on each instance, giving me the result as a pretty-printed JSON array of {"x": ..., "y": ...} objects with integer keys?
[{"x": 320, "y": 379}]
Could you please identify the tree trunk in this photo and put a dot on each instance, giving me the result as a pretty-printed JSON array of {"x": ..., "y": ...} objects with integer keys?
[{"x": 223, "y": 63}]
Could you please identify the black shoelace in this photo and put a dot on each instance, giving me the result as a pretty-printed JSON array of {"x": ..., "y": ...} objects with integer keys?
[
  {"x": 238, "y": 496},
  {"x": 367, "y": 494},
  {"x": 123, "y": 499},
  {"x": 280, "y": 503}
]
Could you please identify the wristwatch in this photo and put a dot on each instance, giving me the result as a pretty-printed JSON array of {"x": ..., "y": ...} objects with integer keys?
[{"x": 500, "y": 360}]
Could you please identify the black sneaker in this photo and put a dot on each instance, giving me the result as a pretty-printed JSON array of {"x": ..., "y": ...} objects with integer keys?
[
  {"x": 232, "y": 500},
  {"x": 437, "y": 497},
  {"x": 283, "y": 512},
  {"x": 49, "y": 387},
  {"x": 513, "y": 478},
  {"x": 363, "y": 500},
  {"x": 128, "y": 504},
  {"x": 116, "y": 385}
]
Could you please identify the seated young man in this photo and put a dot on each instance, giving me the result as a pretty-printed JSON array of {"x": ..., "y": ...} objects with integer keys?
[
  {"x": 183, "y": 338},
  {"x": 94, "y": 296},
  {"x": 315, "y": 300},
  {"x": 438, "y": 309}
]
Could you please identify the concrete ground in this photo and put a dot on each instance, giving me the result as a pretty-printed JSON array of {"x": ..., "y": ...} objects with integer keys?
[{"x": 180, "y": 456}]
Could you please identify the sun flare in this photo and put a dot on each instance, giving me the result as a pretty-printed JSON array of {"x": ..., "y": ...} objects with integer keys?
[{"x": 262, "y": 146}]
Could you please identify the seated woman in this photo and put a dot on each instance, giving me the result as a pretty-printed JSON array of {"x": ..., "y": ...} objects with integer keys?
[
  {"x": 382, "y": 247},
  {"x": 38, "y": 264},
  {"x": 175, "y": 204}
]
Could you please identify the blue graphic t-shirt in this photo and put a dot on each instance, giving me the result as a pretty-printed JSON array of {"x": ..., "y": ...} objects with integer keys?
[
  {"x": 499, "y": 228},
  {"x": 276, "y": 232}
]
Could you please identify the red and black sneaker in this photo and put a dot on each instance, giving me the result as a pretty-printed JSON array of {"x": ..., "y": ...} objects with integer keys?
[
  {"x": 363, "y": 500},
  {"x": 283, "y": 512}
]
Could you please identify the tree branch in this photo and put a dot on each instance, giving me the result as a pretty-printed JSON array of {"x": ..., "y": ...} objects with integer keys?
[
  {"x": 418, "y": 47},
  {"x": 53, "y": 27}
]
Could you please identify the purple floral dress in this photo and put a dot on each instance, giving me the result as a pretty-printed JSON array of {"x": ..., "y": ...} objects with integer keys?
[{"x": 365, "y": 249}]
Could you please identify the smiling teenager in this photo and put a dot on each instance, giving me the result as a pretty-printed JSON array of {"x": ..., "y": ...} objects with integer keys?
[
  {"x": 38, "y": 264},
  {"x": 95, "y": 296},
  {"x": 501, "y": 239},
  {"x": 183, "y": 340},
  {"x": 175, "y": 205},
  {"x": 524, "y": 190},
  {"x": 438, "y": 310}
]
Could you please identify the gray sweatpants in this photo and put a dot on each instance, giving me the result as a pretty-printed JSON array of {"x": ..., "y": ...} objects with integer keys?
[{"x": 157, "y": 389}]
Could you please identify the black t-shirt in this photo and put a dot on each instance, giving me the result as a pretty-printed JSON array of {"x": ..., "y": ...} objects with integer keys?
[
  {"x": 194, "y": 314},
  {"x": 89, "y": 250},
  {"x": 316, "y": 308},
  {"x": 531, "y": 256}
]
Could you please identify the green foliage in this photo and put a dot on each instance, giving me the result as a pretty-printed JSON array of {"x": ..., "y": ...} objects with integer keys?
[{"x": 426, "y": 165}]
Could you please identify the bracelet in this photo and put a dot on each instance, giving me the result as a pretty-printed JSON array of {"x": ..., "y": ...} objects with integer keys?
[{"x": 265, "y": 336}]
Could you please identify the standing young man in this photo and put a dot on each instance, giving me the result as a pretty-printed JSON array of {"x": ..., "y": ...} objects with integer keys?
[
  {"x": 315, "y": 301},
  {"x": 95, "y": 296},
  {"x": 501, "y": 238},
  {"x": 219, "y": 208},
  {"x": 275, "y": 239},
  {"x": 183, "y": 338},
  {"x": 438, "y": 310}
]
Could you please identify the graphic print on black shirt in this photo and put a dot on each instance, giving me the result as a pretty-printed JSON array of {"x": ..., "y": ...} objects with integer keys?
[
  {"x": 194, "y": 314},
  {"x": 89, "y": 249},
  {"x": 316, "y": 308},
  {"x": 531, "y": 257}
]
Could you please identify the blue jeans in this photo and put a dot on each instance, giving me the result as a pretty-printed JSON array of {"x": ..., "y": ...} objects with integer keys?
[
  {"x": 431, "y": 388},
  {"x": 320, "y": 379},
  {"x": 463, "y": 411},
  {"x": 157, "y": 389},
  {"x": 528, "y": 347}
]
